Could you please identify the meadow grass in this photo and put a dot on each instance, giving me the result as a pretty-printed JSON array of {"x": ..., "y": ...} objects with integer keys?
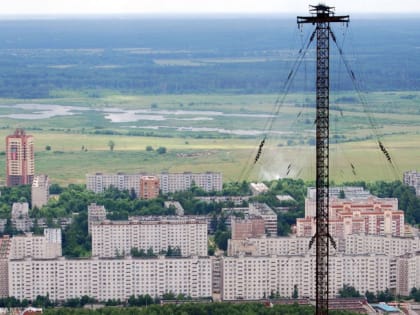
[{"x": 76, "y": 150}]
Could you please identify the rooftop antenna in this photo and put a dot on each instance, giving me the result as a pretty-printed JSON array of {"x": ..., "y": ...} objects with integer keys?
[{"x": 322, "y": 16}]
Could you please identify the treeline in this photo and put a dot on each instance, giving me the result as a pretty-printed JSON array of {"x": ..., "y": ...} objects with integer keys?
[{"x": 198, "y": 309}]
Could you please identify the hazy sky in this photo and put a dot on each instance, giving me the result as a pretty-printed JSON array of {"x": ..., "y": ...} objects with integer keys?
[{"x": 199, "y": 6}]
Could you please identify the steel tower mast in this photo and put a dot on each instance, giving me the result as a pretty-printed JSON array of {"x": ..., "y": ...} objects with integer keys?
[{"x": 322, "y": 16}]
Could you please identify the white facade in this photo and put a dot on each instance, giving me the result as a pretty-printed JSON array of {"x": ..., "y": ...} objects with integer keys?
[
  {"x": 407, "y": 273},
  {"x": 96, "y": 214},
  {"x": 40, "y": 191},
  {"x": 105, "y": 279},
  {"x": 169, "y": 182},
  {"x": 251, "y": 278},
  {"x": 114, "y": 238},
  {"x": 36, "y": 246},
  {"x": 351, "y": 245},
  {"x": 412, "y": 178}
]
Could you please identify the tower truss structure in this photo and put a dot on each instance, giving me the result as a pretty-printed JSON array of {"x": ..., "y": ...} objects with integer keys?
[{"x": 321, "y": 17}]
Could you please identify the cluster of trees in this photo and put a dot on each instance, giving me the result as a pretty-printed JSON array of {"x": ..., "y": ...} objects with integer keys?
[
  {"x": 169, "y": 252},
  {"x": 198, "y": 309}
]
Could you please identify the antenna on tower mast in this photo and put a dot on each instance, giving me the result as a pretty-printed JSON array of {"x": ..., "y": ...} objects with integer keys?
[{"x": 322, "y": 16}]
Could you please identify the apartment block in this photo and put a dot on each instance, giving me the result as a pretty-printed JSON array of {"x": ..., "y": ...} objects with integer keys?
[
  {"x": 149, "y": 187},
  {"x": 268, "y": 215},
  {"x": 20, "y": 158},
  {"x": 5, "y": 244},
  {"x": 114, "y": 238},
  {"x": 20, "y": 216},
  {"x": 105, "y": 279},
  {"x": 37, "y": 246},
  {"x": 40, "y": 190},
  {"x": 251, "y": 226},
  {"x": 407, "y": 273},
  {"x": 96, "y": 214},
  {"x": 251, "y": 278},
  {"x": 168, "y": 182},
  {"x": 412, "y": 178},
  {"x": 351, "y": 245},
  {"x": 373, "y": 215}
]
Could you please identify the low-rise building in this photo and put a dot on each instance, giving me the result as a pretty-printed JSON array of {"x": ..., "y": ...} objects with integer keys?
[{"x": 258, "y": 188}]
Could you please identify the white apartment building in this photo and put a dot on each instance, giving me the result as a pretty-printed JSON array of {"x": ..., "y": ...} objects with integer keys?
[
  {"x": 351, "y": 245},
  {"x": 407, "y": 273},
  {"x": 106, "y": 279},
  {"x": 45, "y": 246},
  {"x": 113, "y": 238},
  {"x": 20, "y": 216},
  {"x": 251, "y": 278},
  {"x": 169, "y": 182},
  {"x": 412, "y": 178},
  {"x": 96, "y": 214},
  {"x": 40, "y": 190}
]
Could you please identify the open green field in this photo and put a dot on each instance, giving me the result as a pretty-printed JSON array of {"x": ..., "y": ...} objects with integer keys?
[{"x": 209, "y": 133}]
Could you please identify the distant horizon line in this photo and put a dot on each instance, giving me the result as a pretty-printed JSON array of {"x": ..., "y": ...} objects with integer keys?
[{"x": 191, "y": 15}]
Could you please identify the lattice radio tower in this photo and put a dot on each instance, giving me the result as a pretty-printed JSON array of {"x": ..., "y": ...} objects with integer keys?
[{"x": 322, "y": 16}]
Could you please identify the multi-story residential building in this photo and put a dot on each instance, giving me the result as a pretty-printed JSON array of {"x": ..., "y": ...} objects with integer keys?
[
  {"x": 407, "y": 273},
  {"x": 269, "y": 216},
  {"x": 251, "y": 226},
  {"x": 20, "y": 216},
  {"x": 105, "y": 279},
  {"x": 116, "y": 238},
  {"x": 168, "y": 182},
  {"x": 40, "y": 191},
  {"x": 20, "y": 158},
  {"x": 348, "y": 192},
  {"x": 412, "y": 178},
  {"x": 376, "y": 216},
  {"x": 149, "y": 187},
  {"x": 37, "y": 246},
  {"x": 96, "y": 214},
  {"x": 251, "y": 278},
  {"x": 5, "y": 244},
  {"x": 351, "y": 245}
]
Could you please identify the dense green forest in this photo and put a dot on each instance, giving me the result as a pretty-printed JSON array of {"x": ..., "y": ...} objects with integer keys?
[{"x": 209, "y": 55}]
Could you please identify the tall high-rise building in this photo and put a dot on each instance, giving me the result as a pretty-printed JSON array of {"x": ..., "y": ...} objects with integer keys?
[{"x": 20, "y": 161}]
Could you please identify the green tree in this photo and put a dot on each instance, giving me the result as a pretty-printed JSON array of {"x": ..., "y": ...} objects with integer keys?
[
  {"x": 295, "y": 294},
  {"x": 111, "y": 145},
  {"x": 149, "y": 148},
  {"x": 161, "y": 150},
  {"x": 348, "y": 291}
]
